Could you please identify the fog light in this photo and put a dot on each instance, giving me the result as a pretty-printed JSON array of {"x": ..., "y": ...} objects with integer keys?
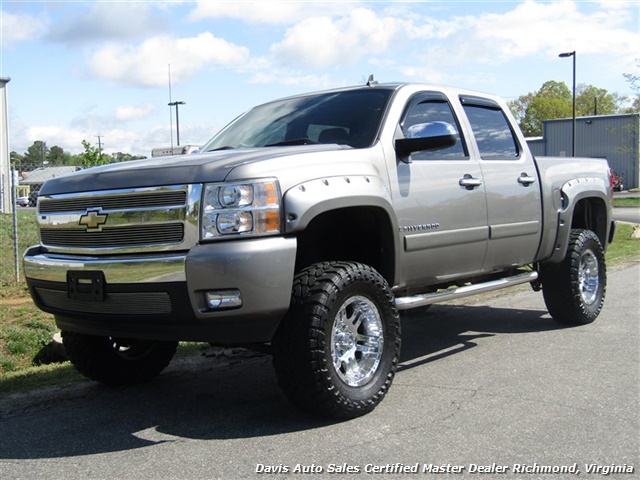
[{"x": 223, "y": 299}]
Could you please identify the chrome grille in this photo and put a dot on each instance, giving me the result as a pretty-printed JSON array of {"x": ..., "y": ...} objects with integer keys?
[
  {"x": 113, "y": 202},
  {"x": 115, "y": 237},
  {"x": 120, "y": 221}
]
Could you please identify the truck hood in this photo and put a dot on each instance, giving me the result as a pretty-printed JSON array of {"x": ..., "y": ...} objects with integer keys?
[{"x": 175, "y": 170}]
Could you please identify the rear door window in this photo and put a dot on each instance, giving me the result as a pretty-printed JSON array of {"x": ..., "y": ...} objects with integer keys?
[{"x": 492, "y": 131}]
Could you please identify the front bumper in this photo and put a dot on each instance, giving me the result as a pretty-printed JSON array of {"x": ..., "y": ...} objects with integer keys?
[{"x": 164, "y": 296}]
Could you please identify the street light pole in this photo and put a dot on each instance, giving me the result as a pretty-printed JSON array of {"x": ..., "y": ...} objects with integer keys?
[
  {"x": 573, "y": 144},
  {"x": 171, "y": 104}
]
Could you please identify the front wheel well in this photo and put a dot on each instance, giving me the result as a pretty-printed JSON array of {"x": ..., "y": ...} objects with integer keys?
[{"x": 359, "y": 234}]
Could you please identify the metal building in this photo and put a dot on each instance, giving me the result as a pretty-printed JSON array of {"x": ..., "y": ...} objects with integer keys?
[{"x": 614, "y": 137}]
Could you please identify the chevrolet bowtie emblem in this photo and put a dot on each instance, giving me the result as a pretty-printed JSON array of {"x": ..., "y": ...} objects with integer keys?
[{"x": 93, "y": 220}]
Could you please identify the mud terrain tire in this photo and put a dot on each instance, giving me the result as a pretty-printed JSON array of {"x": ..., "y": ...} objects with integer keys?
[
  {"x": 116, "y": 361},
  {"x": 337, "y": 350},
  {"x": 574, "y": 289}
]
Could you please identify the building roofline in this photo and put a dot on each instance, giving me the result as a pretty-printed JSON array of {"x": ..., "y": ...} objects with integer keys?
[{"x": 593, "y": 117}]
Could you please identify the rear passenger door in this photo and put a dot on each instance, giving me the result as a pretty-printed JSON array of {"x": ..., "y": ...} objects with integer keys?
[{"x": 511, "y": 183}]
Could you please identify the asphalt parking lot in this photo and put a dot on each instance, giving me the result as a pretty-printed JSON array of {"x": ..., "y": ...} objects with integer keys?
[{"x": 487, "y": 383}]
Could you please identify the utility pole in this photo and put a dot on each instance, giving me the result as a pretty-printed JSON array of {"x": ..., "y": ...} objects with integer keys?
[
  {"x": 99, "y": 148},
  {"x": 171, "y": 104},
  {"x": 6, "y": 203}
]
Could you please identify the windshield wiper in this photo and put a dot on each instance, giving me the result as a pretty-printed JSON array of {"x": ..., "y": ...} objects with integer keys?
[{"x": 295, "y": 141}]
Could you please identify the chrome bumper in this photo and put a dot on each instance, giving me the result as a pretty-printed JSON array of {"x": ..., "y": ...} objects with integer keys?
[
  {"x": 135, "y": 269},
  {"x": 169, "y": 296}
]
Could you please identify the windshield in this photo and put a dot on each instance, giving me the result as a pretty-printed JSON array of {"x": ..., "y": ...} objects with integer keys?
[{"x": 347, "y": 118}]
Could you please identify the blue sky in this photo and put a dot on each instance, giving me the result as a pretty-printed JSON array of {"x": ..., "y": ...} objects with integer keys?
[{"x": 80, "y": 69}]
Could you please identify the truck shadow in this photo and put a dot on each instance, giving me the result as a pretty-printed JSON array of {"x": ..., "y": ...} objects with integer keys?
[
  {"x": 221, "y": 397},
  {"x": 440, "y": 331}
]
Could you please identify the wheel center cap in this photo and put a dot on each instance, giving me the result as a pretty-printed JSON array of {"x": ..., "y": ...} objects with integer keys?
[{"x": 345, "y": 341}]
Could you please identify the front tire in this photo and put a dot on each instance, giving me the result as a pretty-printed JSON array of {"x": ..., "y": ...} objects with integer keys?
[
  {"x": 337, "y": 350},
  {"x": 117, "y": 361},
  {"x": 574, "y": 289}
]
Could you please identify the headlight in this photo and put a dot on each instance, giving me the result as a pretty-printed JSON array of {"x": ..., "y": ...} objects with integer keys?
[{"x": 244, "y": 208}]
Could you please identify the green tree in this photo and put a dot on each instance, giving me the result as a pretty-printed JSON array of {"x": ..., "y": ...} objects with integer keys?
[
  {"x": 555, "y": 100},
  {"x": 36, "y": 156},
  {"x": 92, "y": 156},
  {"x": 591, "y": 100},
  {"x": 125, "y": 157},
  {"x": 634, "y": 83},
  {"x": 629, "y": 135},
  {"x": 57, "y": 156}
]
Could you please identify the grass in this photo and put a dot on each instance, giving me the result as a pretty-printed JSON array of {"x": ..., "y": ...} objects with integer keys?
[
  {"x": 624, "y": 248},
  {"x": 26, "y": 332},
  {"x": 626, "y": 202},
  {"x": 33, "y": 377}
]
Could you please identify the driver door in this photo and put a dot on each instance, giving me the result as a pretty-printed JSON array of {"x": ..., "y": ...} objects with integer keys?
[{"x": 440, "y": 201}]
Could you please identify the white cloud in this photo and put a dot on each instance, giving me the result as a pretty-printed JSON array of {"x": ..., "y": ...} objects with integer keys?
[
  {"x": 106, "y": 21},
  {"x": 322, "y": 41},
  {"x": 19, "y": 28},
  {"x": 143, "y": 142},
  {"x": 263, "y": 12},
  {"x": 132, "y": 112},
  {"x": 294, "y": 80},
  {"x": 70, "y": 140},
  {"x": 270, "y": 12},
  {"x": 614, "y": 4},
  {"x": 146, "y": 64},
  {"x": 529, "y": 28},
  {"x": 137, "y": 143},
  {"x": 425, "y": 74},
  {"x": 532, "y": 28},
  {"x": 551, "y": 28}
]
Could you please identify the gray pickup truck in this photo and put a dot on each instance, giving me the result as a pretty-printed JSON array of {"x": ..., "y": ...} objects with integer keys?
[{"x": 305, "y": 226}]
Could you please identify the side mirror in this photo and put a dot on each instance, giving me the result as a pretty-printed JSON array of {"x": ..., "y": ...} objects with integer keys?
[{"x": 426, "y": 136}]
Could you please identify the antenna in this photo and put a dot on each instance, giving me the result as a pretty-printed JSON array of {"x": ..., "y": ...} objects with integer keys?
[{"x": 371, "y": 82}]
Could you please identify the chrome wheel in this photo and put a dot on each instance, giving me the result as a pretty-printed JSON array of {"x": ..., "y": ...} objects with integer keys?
[
  {"x": 357, "y": 341},
  {"x": 132, "y": 349},
  {"x": 588, "y": 275}
]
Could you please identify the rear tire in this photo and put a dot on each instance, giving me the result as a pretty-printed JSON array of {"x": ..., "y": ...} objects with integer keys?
[
  {"x": 337, "y": 350},
  {"x": 574, "y": 289},
  {"x": 117, "y": 361}
]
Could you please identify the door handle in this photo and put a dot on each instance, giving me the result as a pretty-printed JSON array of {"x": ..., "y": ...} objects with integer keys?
[
  {"x": 469, "y": 182},
  {"x": 525, "y": 179}
]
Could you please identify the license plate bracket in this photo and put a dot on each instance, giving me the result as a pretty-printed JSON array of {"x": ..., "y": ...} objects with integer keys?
[{"x": 86, "y": 285}]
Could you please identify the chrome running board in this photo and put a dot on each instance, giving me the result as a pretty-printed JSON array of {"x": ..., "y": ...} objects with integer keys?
[{"x": 405, "y": 303}]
